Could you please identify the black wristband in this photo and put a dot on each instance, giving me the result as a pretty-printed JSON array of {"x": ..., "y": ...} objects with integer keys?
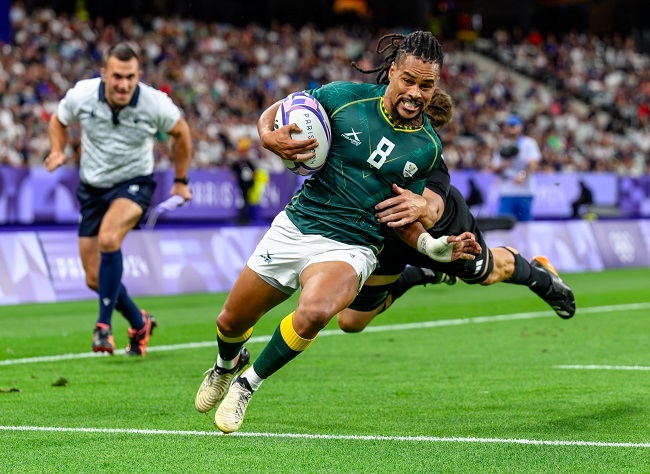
[{"x": 184, "y": 180}]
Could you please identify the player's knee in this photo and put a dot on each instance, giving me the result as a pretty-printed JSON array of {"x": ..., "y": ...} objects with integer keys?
[
  {"x": 348, "y": 322},
  {"x": 491, "y": 280},
  {"x": 312, "y": 317},
  {"x": 350, "y": 329},
  {"x": 370, "y": 298},
  {"x": 109, "y": 241},
  {"x": 229, "y": 325}
]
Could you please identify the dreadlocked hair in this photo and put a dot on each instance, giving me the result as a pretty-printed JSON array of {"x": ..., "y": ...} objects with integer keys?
[{"x": 421, "y": 44}]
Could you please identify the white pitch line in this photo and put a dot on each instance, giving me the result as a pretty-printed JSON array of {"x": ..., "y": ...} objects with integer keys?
[
  {"x": 336, "y": 332},
  {"x": 602, "y": 367},
  {"x": 421, "y": 439}
]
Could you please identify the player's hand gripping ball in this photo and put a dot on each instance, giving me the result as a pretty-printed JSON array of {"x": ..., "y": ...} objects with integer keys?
[{"x": 305, "y": 111}]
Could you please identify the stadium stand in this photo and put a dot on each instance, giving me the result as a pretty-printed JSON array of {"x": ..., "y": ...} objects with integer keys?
[{"x": 223, "y": 76}]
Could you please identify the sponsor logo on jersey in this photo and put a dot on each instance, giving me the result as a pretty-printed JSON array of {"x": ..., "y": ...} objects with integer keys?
[
  {"x": 410, "y": 169},
  {"x": 267, "y": 258},
  {"x": 353, "y": 137}
]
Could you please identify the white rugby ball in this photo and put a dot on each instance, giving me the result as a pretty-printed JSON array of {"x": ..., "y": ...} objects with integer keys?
[{"x": 306, "y": 112}]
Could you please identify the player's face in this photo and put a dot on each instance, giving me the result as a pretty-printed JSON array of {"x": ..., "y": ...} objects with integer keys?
[
  {"x": 512, "y": 131},
  {"x": 411, "y": 87},
  {"x": 121, "y": 79}
]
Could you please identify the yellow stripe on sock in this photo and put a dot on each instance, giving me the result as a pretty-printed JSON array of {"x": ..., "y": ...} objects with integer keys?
[
  {"x": 243, "y": 338},
  {"x": 291, "y": 337}
]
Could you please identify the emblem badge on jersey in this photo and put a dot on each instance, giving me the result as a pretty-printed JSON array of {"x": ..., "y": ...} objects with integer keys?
[
  {"x": 134, "y": 188},
  {"x": 353, "y": 137},
  {"x": 410, "y": 169}
]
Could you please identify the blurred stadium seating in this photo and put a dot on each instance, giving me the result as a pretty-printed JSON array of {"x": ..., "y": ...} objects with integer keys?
[{"x": 586, "y": 99}]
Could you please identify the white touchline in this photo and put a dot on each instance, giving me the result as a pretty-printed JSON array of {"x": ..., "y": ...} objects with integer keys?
[
  {"x": 416, "y": 439},
  {"x": 336, "y": 332},
  {"x": 602, "y": 367}
]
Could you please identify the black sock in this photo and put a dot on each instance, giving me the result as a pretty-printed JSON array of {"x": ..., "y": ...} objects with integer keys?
[
  {"x": 525, "y": 274},
  {"x": 125, "y": 305},
  {"x": 110, "y": 276},
  {"x": 410, "y": 277}
]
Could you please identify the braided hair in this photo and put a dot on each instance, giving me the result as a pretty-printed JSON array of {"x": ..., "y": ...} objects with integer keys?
[{"x": 421, "y": 44}]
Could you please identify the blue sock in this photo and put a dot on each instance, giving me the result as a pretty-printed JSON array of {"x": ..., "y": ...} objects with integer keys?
[
  {"x": 110, "y": 277},
  {"x": 128, "y": 308}
]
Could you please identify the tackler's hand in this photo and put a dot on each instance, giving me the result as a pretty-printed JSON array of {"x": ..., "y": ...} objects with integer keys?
[{"x": 449, "y": 247}]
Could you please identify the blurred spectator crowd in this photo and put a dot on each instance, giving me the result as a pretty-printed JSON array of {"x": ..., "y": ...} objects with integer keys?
[{"x": 585, "y": 100}]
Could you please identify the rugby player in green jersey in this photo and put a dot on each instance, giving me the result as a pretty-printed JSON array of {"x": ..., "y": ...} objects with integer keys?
[
  {"x": 493, "y": 265},
  {"x": 326, "y": 240}
]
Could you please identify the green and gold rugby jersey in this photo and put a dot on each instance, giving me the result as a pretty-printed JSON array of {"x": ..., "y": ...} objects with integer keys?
[{"x": 369, "y": 153}]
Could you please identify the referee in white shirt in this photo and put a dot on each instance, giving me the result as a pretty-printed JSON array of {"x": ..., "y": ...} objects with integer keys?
[{"x": 119, "y": 119}]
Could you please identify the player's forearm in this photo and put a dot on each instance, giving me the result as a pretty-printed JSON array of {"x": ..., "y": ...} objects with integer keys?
[
  {"x": 435, "y": 208},
  {"x": 182, "y": 148},
  {"x": 58, "y": 135},
  {"x": 410, "y": 233},
  {"x": 417, "y": 237},
  {"x": 266, "y": 122}
]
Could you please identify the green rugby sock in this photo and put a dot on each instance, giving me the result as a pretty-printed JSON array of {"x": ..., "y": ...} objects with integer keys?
[{"x": 283, "y": 347}]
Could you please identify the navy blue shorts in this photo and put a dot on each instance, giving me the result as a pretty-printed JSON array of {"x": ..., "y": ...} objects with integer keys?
[{"x": 95, "y": 202}]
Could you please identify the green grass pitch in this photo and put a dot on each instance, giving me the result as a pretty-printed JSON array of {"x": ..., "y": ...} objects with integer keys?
[{"x": 460, "y": 379}]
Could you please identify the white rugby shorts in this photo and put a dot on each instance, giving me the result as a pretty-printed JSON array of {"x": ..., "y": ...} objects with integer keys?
[{"x": 284, "y": 252}]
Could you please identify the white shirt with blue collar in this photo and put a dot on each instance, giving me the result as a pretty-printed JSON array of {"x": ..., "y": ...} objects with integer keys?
[
  {"x": 528, "y": 152},
  {"x": 116, "y": 145}
]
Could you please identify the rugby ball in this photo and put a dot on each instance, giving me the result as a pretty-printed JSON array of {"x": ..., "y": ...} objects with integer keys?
[{"x": 306, "y": 112}]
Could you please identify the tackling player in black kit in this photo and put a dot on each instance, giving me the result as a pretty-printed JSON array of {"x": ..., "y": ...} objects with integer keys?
[{"x": 393, "y": 278}]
